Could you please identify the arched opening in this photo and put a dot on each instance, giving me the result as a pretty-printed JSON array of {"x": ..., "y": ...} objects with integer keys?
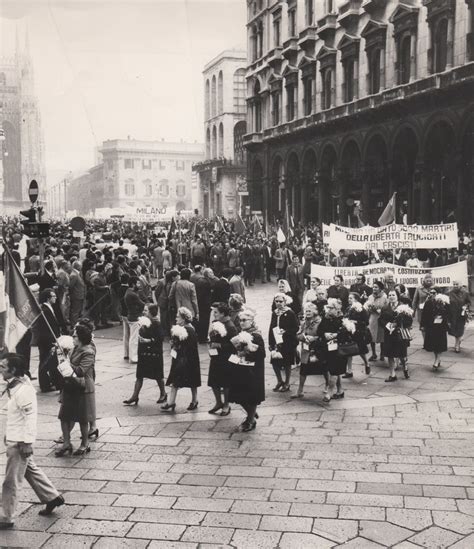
[
  {"x": 328, "y": 188},
  {"x": 440, "y": 204},
  {"x": 350, "y": 184},
  {"x": 207, "y": 100},
  {"x": 214, "y": 142},
  {"x": 276, "y": 188},
  {"x": 256, "y": 188},
  {"x": 309, "y": 188},
  {"x": 406, "y": 182},
  {"x": 292, "y": 187},
  {"x": 240, "y": 153},
  {"x": 220, "y": 93},
  {"x": 208, "y": 143},
  {"x": 240, "y": 106},
  {"x": 221, "y": 140},
  {"x": 375, "y": 189},
  {"x": 213, "y": 96}
]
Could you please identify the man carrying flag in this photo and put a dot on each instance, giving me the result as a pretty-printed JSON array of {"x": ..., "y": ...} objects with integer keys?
[{"x": 239, "y": 226}]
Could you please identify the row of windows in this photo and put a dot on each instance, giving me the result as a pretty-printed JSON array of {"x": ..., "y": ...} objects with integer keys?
[
  {"x": 132, "y": 163},
  {"x": 405, "y": 71},
  {"x": 214, "y": 94},
  {"x": 162, "y": 188},
  {"x": 215, "y": 142}
]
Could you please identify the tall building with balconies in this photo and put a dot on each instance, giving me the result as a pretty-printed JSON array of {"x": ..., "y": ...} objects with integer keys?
[
  {"x": 350, "y": 101},
  {"x": 222, "y": 175}
]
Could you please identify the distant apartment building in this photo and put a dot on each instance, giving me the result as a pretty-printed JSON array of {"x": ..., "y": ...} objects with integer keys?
[{"x": 222, "y": 175}]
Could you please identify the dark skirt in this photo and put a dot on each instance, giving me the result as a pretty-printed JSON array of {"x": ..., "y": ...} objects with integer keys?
[
  {"x": 436, "y": 339},
  {"x": 77, "y": 407},
  {"x": 318, "y": 368},
  {"x": 247, "y": 384},
  {"x": 394, "y": 346},
  {"x": 150, "y": 367},
  {"x": 184, "y": 373},
  {"x": 336, "y": 364},
  {"x": 219, "y": 375}
]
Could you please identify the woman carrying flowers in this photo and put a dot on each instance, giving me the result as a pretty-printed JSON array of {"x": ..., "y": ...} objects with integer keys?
[
  {"x": 282, "y": 340},
  {"x": 373, "y": 306},
  {"x": 220, "y": 348},
  {"x": 247, "y": 366},
  {"x": 396, "y": 320},
  {"x": 308, "y": 336},
  {"x": 185, "y": 366},
  {"x": 150, "y": 355},
  {"x": 333, "y": 332},
  {"x": 362, "y": 337},
  {"x": 434, "y": 324}
]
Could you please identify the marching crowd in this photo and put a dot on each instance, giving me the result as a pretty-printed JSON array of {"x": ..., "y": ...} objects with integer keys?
[{"x": 190, "y": 288}]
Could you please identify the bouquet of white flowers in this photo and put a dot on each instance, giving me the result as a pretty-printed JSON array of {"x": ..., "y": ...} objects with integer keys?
[
  {"x": 144, "y": 321},
  {"x": 178, "y": 333},
  {"x": 218, "y": 330},
  {"x": 442, "y": 299},
  {"x": 349, "y": 325},
  {"x": 243, "y": 342},
  {"x": 65, "y": 344},
  {"x": 357, "y": 306},
  {"x": 65, "y": 368},
  {"x": 405, "y": 310}
]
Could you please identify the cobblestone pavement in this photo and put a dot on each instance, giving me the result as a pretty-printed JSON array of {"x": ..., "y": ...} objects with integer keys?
[{"x": 391, "y": 465}]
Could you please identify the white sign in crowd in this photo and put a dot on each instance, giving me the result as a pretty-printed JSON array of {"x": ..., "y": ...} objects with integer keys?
[
  {"x": 411, "y": 278},
  {"x": 391, "y": 237}
]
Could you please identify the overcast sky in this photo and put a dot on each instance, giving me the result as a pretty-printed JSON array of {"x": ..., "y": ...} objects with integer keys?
[{"x": 106, "y": 69}]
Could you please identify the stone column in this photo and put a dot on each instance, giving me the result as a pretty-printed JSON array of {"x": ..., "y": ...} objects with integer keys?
[
  {"x": 356, "y": 77},
  {"x": 413, "y": 56},
  {"x": 383, "y": 77},
  {"x": 343, "y": 209},
  {"x": 425, "y": 196},
  {"x": 320, "y": 182},
  {"x": 450, "y": 44}
]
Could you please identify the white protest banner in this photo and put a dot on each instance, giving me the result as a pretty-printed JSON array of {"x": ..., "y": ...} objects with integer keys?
[
  {"x": 326, "y": 233},
  {"x": 411, "y": 278},
  {"x": 393, "y": 237}
]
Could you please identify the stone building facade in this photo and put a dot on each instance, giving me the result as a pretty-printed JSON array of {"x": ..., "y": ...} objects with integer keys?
[
  {"x": 222, "y": 175},
  {"x": 352, "y": 100},
  {"x": 21, "y": 136}
]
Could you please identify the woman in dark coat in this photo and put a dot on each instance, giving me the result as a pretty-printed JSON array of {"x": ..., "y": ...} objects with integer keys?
[
  {"x": 434, "y": 324},
  {"x": 220, "y": 348},
  {"x": 360, "y": 317},
  {"x": 293, "y": 302},
  {"x": 282, "y": 341},
  {"x": 308, "y": 336},
  {"x": 394, "y": 345},
  {"x": 150, "y": 356},
  {"x": 331, "y": 334},
  {"x": 204, "y": 286},
  {"x": 78, "y": 394},
  {"x": 459, "y": 303},
  {"x": 247, "y": 366},
  {"x": 185, "y": 366}
]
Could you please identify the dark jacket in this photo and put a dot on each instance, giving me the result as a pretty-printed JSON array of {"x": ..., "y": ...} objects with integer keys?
[{"x": 134, "y": 305}]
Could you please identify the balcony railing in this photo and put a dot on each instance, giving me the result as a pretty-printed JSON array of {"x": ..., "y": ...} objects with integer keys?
[
  {"x": 348, "y": 12},
  {"x": 252, "y": 138},
  {"x": 308, "y": 37},
  {"x": 290, "y": 47}
]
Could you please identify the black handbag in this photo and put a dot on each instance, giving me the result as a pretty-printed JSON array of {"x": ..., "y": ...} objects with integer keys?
[{"x": 348, "y": 349}]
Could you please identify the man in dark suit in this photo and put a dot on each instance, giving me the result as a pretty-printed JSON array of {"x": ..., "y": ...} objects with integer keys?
[
  {"x": 46, "y": 330},
  {"x": 295, "y": 277},
  {"x": 221, "y": 291}
]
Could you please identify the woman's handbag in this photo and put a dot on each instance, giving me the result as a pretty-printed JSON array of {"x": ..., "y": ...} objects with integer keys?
[
  {"x": 405, "y": 334},
  {"x": 348, "y": 349},
  {"x": 74, "y": 385}
]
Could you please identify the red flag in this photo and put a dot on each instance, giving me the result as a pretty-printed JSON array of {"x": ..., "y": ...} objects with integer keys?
[
  {"x": 388, "y": 215},
  {"x": 21, "y": 307}
]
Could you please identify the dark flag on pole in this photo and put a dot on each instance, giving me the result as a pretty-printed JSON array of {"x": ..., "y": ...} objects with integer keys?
[
  {"x": 239, "y": 226},
  {"x": 173, "y": 227},
  {"x": 21, "y": 307}
]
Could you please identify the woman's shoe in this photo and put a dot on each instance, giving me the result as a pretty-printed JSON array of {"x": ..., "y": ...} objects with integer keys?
[
  {"x": 390, "y": 379},
  {"x": 249, "y": 426},
  {"x": 277, "y": 387},
  {"x": 93, "y": 435},
  {"x": 226, "y": 412},
  {"x": 256, "y": 415},
  {"x": 82, "y": 450},
  {"x": 193, "y": 406},
  {"x": 59, "y": 440},
  {"x": 406, "y": 374},
  {"x": 326, "y": 398},
  {"x": 373, "y": 358},
  {"x": 338, "y": 396},
  {"x": 285, "y": 388},
  {"x": 367, "y": 369},
  {"x": 216, "y": 408},
  {"x": 65, "y": 450},
  {"x": 168, "y": 407},
  {"x": 347, "y": 375},
  {"x": 131, "y": 402},
  {"x": 162, "y": 399}
]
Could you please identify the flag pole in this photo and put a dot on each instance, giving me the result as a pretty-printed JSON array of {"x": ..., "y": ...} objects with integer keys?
[
  {"x": 15, "y": 266},
  {"x": 394, "y": 221}
]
